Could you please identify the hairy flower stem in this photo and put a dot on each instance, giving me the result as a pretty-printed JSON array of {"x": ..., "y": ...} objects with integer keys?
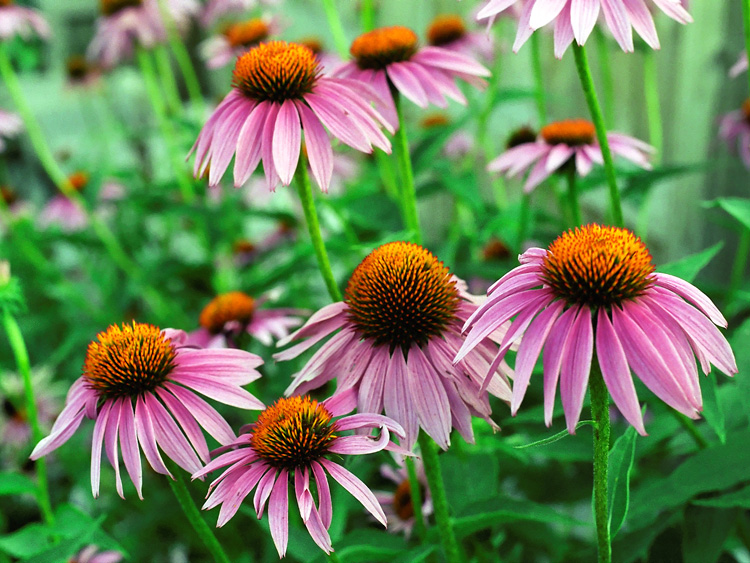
[
  {"x": 589, "y": 91},
  {"x": 304, "y": 189},
  {"x": 337, "y": 29},
  {"x": 439, "y": 500},
  {"x": 600, "y": 415},
  {"x": 575, "y": 206},
  {"x": 180, "y": 490},
  {"x": 168, "y": 82},
  {"x": 416, "y": 498},
  {"x": 408, "y": 189},
  {"x": 746, "y": 28},
  {"x": 18, "y": 345},
  {"x": 536, "y": 65},
  {"x": 608, "y": 84},
  {"x": 165, "y": 126},
  {"x": 181, "y": 55}
]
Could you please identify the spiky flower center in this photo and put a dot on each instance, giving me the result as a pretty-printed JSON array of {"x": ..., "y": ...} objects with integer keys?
[
  {"x": 228, "y": 307},
  {"x": 572, "y": 132},
  {"x": 378, "y": 48},
  {"x": 445, "y": 29},
  {"x": 128, "y": 361},
  {"x": 77, "y": 67},
  {"x": 8, "y": 195},
  {"x": 402, "y": 504},
  {"x": 293, "y": 432},
  {"x": 247, "y": 33},
  {"x": 78, "y": 180},
  {"x": 435, "y": 120},
  {"x": 597, "y": 266},
  {"x": 110, "y": 7},
  {"x": 276, "y": 71},
  {"x": 5, "y": 2},
  {"x": 521, "y": 136},
  {"x": 495, "y": 249},
  {"x": 401, "y": 294}
]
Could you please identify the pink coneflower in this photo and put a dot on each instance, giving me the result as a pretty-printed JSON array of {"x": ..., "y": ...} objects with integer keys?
[
  {"x": 63, "y": 211},
  {"x": 327, "y": 59},
  {"x": 10, "y": 125},
  {"x": 224, "y": 48},
  {"x": 144, "y": 367},
  {"x": 215, "y": 9},
  {"x": 397, "y": 504},
  {"x": 398, "y": 329},
  {"x": 449, "y": 32},
  {"x": 734, "y": 129},
  {"x": 293, "y": 439},
  {"x": 20, "y": 21},
  {"x": 15, "y": 427},
  {"x": 575, "y": 19},
  {"x": 91, "y": 554},
  {"x": 81, "y": 73},
  {"x": 277, "y": 93},
  {"x": 229, "y": 315},
  {"x": 595, "y": 290},
  {"x": 566, "y": 143},
  {"x": 388, "y": 58}
]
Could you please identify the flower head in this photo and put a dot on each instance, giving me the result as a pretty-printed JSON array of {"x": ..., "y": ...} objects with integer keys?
[
  {"x": 397, "y": 504},
  {"x": 278, "y": 92},
  {"x": 235, "y": 39},
  {"x": 734, "y": 129},
  {"x": 575, "y": 19},
  {"x": 216, "y": 9},
  {"x": 565, "y": 143},
  {"x": 449, "y": 32},
  {"x": 137, "y": 381},
  {"x": 594, "y": 290},
  {"x": 21, "y": 21},
  {"x": 389, "y": 57},
  {"x": 398, "y": 329},
  {"x": 293, "y": 438}
]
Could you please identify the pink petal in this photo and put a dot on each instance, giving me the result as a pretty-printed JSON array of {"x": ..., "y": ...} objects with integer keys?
[
  {"x": 433, "y": 409},
  {"x": 144, "y": 427},
  {"x": 576, "y": 365},
  {"x": 319, "y": 151},
  {"x": 398, "y": 401},
  {"x": 356, "y": 488},
  {"x": 287, "y": 136},
  {"x": 96, "y": 446},
  {"x": 553, "y": 358},
  {"x": 278, "y": 513}
]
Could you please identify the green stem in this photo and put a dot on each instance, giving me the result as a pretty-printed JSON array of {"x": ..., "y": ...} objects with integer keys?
[
  {"x": 434, "y": 476},
  {"x": 608, "y": 84},
  {"x": 536, "y": 65},
  {"x": 304, "y": 188},
  {"x": 337, "y": 29},
  {"x": 575, "y": 206},
  {"x": 746, "y": 28},
  {"x": 168, "y": 82},
  {"x": 333, "y": 557},
  {"x": 180, "y": 490},
  {"x": 524, "y": 220},
  {"x": 182, "y": 57},
  {"x": 689, "y": 426},
  {"x": 368, "y": 15},
  {"x": 600, "y": 415},
  {"x": 653, "y": 107},
  {"x": 485, "y": 141},
  {"x": 589, "y": 91},
  {"x": 388, "y": 175},
  {"x": 408, "y": 190},
  {"x": 17, "y": 344},
  {"x": 739, "y": 265},
  {"x": 416, "y": 498},
  {"x": 165, "y": 126}
]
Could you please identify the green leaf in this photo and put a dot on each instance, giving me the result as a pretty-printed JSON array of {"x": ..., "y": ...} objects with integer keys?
[
  {"x": 16, "y": 484},
  {"x": 704, "y": 533},
  {"x": 739, "y": 499},
  {"x": 27, "y": 541},
  {"x": 484, "y": 470},
  {"x": 688, "y": 268},
  {"x": 712, "y": 409},
  {"x": 737, "y": 207},
  {"x": 559, "y": 436},
  {"x": 618, "y": 491}
]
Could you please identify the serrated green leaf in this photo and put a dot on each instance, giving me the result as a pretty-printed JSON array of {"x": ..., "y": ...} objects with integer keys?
[
  {"x": 618, "y": 491},
  {"x": 16, "y": 484},
  {"x": 689, "y": 267}
]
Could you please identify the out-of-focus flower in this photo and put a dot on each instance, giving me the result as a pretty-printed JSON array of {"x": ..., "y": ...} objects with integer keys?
[
  {"x": 64, "y": 212},
  {"x": 740, "y": 66},
  {"x": 10, "y": 125},
  {"x": 278, "y": 92},
  {"x": 567, "y": 143},
  {"x": 389, "y": 58},
  {"x": 449, "y": 32},
  {"x": 138, "y": 383},
  {"x": 734, "y": 129},
  {"x": 80, "y": 72},
  {"x": 459, "y": 145},
  {"x": 594, "y": 290},
  {"x": 15, "y": 427},
  {"x": 293, "y": 439},
  {"x": 215, "y": 9},
  {"x": 229, "y": 315},
  {"x": 575, "y": 19},
  {"x": 328, "y": 60},
  {"x": 224, "y": 48},
  {"x": 397, "y": 505},
  {"x": 21, "y": 21},
  {"x": 397, "y": 331},
  {"x": 91, "y": 554}
]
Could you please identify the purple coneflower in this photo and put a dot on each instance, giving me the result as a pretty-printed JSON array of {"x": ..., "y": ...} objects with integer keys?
[
  {"x": 21, "y": 21},
  {"x": 10, "y": 125},
  {"x": 397, "y": 504},
  {"x": 15, "y": 427},
  {"x": 224, "y": 48},
  {"x": 594, "y": 290},
  {"x": 575, "y": 19},
  {"x": 277, "y": 93},
  {"x": 449, "y": 32},
  {"x": 137, "y": 380},
  {"x": 81, "y": 73},
  {"x": 91, "y": 554},
  {"x": 63, "y": 211},
  {"x": 293, "y": 439},
  {"x": 398, "y": 329},
  {"x": 231, "y": 314},
  {"x": 566, "y": 143},
  {"x": 389, "y": 57},
  {"x": 734, "y": 128},
  {"x": 215, "y": 9}
]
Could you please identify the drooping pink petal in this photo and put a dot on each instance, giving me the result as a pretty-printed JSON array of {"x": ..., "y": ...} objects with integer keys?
[
  {"x": 356, "y": 488},
  {"x": 433, "y": 409},
  {"x": 96, "y": 446},
  {"x": 110, "y": 443},
  {"x": 325, "y": 507},
  {"x": 249, "y": 144},
  {"x": 169, "y": 437},
  {"x": 544, "y": 11},
  {"x": 129, "y": 444},
  {"x": 278, "y": 513},
  {"x": 287, "y": 136},
  {"x": 187, "y": 422},
  {"x": 144, "y": 427},
  {"x": 398, "y": 401},
  {"x": 211, "y": 421},
  {"x": 265, "y": 486},
  {"x": 552, "y": 359},
  {"x": 319, "y": 151},
  {"x": 576, "y": 365}
]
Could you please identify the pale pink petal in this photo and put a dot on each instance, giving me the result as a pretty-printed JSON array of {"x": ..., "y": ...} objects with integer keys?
[
  {"x": 433, "y": 409},
  {"x": 576, "y": 365},
  {"x": 319, "y": 151},
  {"x": 131, "y": 456},
  {"x": 356, "y": 488},
  {"x": 144, "y": 428},
  {"x": 249, "y": 144},
  {"x": 552, "y": 359},
  {"x": 287, "y": 136},
  {"x": 398, "y": 401},
  {"x": 324, "y": 494},
  {"x": 96, "y": 446},
  {"x": 110, "y": 443},
  {"x": 278, "y": 513}
]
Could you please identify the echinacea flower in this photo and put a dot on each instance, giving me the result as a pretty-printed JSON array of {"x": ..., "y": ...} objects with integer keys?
[
  {"x": 10, "y": 125},
  {"x": 397, "y": 331},
  {"x": 397, "y": 504},
  {"x": 449, "y": 32},
  {"x": 594, "y": 293},
  {"x": 91, "y": 554},
  {"x": 734, "y": 129},
  {"x": 138, "y": 383},
  {"x": 566, "y": 143},
  {"x": 236, "y": 38},
  {"x": 21, "y": 21},
  {"x": 575, "y": 19},
  {"x": 63, "y": 211},
  {"x": 80, "y": 72},
  {"x": 229, "y": 315},
  {"x": 15, "y": 426},
  {"x": 215, "y": 9},
  {"x": 293, "y": 439},
  {"x": 389, "y": 59},
  {"x": 278, "y": 92}
]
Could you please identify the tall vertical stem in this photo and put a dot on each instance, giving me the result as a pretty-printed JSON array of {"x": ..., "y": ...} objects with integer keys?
[
  {"x": 589, "y": 91},
  {"x": 367, "y": 15},
  {"x": 416, "y": 498},
  {"x": 439, "y": 500},
  {"x": 337, "y": 29},
  {"x": 182, "y": 56},
  {"x": 575, "y": 206},
  {"x": 304, "y": 188},
  {"x": 408, "y": 189},
  {"x": 168, "y": 82},
  {"x": 536, "y": 64},
  {"x": 600, "y": 416},
  {"x": 746, "y": 28},
  {"x": 608, "y": 84},
  {"x": 17, "y": 344}
]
